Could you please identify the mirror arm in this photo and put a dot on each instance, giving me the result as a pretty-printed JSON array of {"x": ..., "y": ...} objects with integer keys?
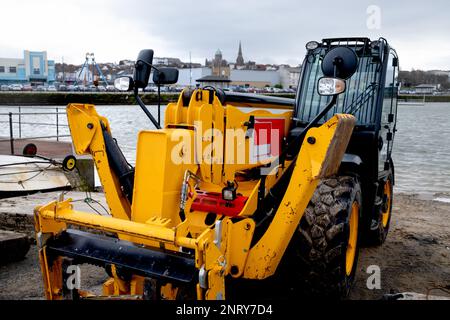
[
  {"x": 296, "y": 143},
  {"x": 159, "y": 94},
  {"x": 148, "y": 64},
  {"x": 159, "y": 104},
  {"x": 144, "y": 108},
  {"x": 314, "y": 121}
]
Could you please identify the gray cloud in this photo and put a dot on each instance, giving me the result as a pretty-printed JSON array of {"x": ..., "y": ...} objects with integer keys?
[
  {"x": 270, "y": 31},
  {"x": 276, "y": 31}
]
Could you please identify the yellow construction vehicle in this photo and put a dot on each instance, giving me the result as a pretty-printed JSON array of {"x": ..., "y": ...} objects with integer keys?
[{"x": 233, "y": 188}]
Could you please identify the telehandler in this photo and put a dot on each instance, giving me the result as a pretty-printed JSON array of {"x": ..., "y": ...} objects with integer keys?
[{"x": 236, "y": 190}]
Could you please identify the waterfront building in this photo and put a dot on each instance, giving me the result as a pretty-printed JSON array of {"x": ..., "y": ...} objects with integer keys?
[
  {"x": 427, "y": 88},
  {"x": 128, "y": 63},
  {"x": 289, "y": 76},
  {"x": 188, "y": 76},
  {"x": 254, "y": 78},
  {"x": 168, "y": 62},
  {"x": 33, "y": 68},
  {"x": 440, "y": 73},
  {"x": 66, "y": 77},
  {"x": 218, "y": 65},
  {"x": 221, "y": 82}
]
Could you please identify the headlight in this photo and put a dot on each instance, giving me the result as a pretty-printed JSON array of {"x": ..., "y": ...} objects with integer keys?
[{"x": 330, "y": 86}]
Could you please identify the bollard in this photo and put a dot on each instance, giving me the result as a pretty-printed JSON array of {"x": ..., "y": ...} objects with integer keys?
[
  {"x": 11, "y": 136},
  {"x": 20, "y": 122},
  {"x": 57, "y": 125}
]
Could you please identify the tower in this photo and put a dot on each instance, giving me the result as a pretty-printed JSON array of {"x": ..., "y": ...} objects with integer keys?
[
  {"x": 240, "y": 58},
  {"x": 219, "y": 65},
  {"x": 218, "y": 58}
]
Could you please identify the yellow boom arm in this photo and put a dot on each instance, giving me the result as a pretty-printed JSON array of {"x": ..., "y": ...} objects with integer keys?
[{"x": 87, "y": 136}]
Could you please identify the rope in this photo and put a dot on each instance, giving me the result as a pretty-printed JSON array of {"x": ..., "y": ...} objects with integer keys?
[
  {"x": 39, "y": 171},
  {"x": 88, "y": 198},
  {"x": 21, "y": 172},
  {"x": 21, "y": 163}
]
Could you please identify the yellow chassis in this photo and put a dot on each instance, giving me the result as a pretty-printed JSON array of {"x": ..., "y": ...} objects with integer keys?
[{"x": 220, "y": 250}]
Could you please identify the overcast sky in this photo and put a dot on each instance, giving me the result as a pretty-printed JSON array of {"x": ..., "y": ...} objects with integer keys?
[{"x": 271, "y": 31}]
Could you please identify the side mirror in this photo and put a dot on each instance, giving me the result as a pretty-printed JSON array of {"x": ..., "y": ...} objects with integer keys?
[
  {"x": 331, "y": 86},
  {"x": 143, "y": 68},
  {"x": 165, "y": 76},
  {"x": 124, "y": 84},
  {"x": 340, "y": 62}
]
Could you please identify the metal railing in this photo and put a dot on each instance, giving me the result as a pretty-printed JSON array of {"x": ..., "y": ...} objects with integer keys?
[{"x": 19, "y": 118}]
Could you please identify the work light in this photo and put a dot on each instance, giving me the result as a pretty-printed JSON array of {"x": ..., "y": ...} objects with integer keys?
[
  {"x": 312, "y": 45},
  {"x": 229, "y": 192}
]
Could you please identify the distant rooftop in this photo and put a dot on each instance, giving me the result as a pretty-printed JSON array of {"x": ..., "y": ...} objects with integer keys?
[
  {"x": 427, "y": 86},
  {"x": 212, "y": 78}
]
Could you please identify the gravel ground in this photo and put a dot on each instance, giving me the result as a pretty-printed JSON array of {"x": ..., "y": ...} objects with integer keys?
[
  {"x": 415, "y": 257},
  {"x": 23, "y": 281},
  {"x": 416, "y": 254}
]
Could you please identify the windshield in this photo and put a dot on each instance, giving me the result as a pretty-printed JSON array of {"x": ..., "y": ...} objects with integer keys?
[{"x": 359, "y": 98}]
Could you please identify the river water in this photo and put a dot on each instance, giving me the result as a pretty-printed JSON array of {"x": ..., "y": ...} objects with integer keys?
[{"x": 421, "y": 148}]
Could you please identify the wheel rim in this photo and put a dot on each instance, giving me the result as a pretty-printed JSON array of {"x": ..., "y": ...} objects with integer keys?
[
  {"x": 387, "y": 208},
  {"x": 71, "y": 164},
  {"x": 352, "y": 239}
]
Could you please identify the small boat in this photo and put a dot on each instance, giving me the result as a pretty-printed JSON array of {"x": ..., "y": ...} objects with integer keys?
[{"x": 26, "y": 175}]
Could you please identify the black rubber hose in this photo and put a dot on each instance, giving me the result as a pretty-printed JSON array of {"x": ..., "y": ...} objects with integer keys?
[{"x": 119, "y": 164}]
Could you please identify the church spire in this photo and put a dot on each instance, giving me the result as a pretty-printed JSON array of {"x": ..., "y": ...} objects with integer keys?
[{"x": 240, "y": 58}]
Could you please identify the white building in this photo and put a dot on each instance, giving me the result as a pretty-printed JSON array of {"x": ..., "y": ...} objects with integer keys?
[
  {"x": 254, "y": 78},
  {"x": 187, "y": 77},
  {"x": 289, "y": 77},
  {"x": 427, "y": 88},
  {"x": 67, "y": 76},
  {"x": 440, "y": 73},
  {"x": 164, "y": 61}
]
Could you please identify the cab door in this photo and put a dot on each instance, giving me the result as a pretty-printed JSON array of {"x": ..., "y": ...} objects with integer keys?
[{"x": 388, "y": 114}]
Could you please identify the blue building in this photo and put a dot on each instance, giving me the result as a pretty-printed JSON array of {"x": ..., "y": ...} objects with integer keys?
[{"x": 33, "y": 68}]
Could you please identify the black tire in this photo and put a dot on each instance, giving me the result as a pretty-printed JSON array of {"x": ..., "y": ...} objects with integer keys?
[
  {"x": 378, "y": 231},
  {"x": 322, "y": 239}
]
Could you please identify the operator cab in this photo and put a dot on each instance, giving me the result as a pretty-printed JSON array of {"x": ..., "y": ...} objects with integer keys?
[{"x": 371, "y": 96}]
